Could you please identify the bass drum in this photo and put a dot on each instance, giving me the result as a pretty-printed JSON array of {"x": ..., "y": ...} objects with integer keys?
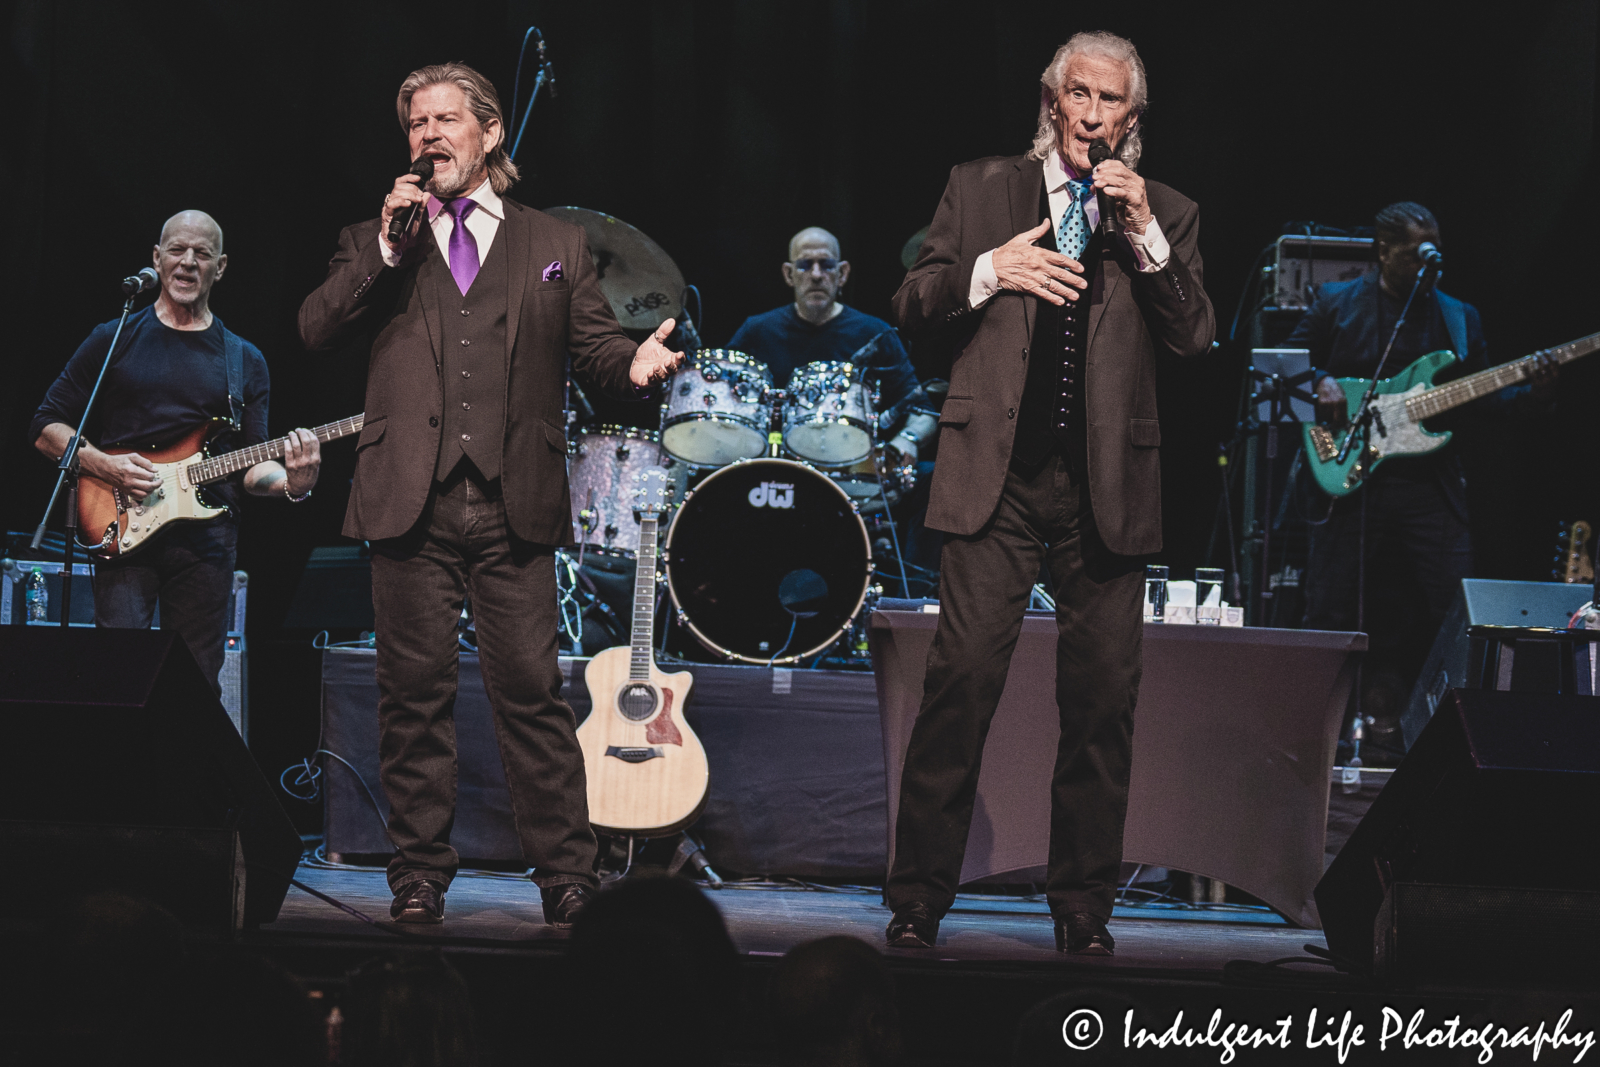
[{"x": 768, "y": 562}]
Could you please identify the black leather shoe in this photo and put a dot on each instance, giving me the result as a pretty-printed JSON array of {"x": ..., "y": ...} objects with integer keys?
[
  {"x": 913, "y": 926},
  {"x": 419, "y": 902},
  {"x": 562, "y": 903},
  {"x": 1083, "y": 934}
]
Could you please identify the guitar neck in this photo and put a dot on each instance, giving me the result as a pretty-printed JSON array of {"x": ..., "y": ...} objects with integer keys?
[
  {"x": 1454, "y": 394},
  {"x": 217, "y": 468},
  {"x": 644, "y": 602}
]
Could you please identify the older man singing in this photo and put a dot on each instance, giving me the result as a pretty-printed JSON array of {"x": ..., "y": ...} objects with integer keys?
[{"x": 1048, "y": 456}]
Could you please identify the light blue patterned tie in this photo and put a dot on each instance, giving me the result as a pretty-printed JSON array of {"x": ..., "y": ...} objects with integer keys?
[{"x": 1073, "y": 236}]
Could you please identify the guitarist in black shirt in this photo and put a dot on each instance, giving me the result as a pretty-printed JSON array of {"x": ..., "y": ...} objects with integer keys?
[{"x": 169, "y": 376}]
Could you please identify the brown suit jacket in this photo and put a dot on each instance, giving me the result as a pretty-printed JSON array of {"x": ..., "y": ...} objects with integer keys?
[
  {"x": 1131, "y": 316},
  {"x": 545, "y": 321}
]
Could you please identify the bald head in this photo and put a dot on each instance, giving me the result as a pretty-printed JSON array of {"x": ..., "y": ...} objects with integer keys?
[
  {"x": 190, "y": 261},
  {"x": 197, "y": 221},
  {"x": 816, "y": 273},
  {"x": 813, "y": 237}
]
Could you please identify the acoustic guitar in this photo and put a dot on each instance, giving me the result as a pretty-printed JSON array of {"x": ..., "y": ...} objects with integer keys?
[
  {"x": 647, "y": 770},
  {"x": 124, "y": 524},
  {"x": 1399, "y": 406}
]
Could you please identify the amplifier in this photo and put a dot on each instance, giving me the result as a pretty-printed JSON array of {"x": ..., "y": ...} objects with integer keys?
[{"x": 1301, "y": 263}]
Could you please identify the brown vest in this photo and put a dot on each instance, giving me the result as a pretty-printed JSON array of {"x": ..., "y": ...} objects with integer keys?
[{"x": 473, "y": 363}]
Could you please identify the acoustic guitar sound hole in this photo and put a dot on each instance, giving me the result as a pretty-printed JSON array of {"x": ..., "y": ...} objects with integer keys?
[{"x": 637, "y": 702}]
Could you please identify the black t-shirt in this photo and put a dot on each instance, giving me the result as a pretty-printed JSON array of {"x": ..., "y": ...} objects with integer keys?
[
  {"x": 785, "y": 342},
  {"x": 161, "y": 385}
]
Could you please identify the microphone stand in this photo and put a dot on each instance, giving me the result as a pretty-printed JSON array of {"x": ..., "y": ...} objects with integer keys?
[
  {"x": 1364, "y": 412},
  {"x": 67, "y": 475}
]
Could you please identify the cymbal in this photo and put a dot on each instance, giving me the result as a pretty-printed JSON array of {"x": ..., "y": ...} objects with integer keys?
[
  {"x": 639, "y": 279},
  {"x": 908, "y": 254}
]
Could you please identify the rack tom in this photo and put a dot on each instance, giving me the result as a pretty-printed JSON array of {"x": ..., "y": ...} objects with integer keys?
[
  {"x": 827, "y": 415},
  {"x": 717, "y": 409}
]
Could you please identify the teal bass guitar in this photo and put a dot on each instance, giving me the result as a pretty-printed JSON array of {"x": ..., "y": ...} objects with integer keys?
[{"x": 1398, "y": 408}]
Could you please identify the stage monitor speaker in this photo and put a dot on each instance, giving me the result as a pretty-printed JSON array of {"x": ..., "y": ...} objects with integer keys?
[
  {"x": 1474, "y": 861},
  {"x": 120, "y": 751},
  {"x": 1482, "y": 601}
]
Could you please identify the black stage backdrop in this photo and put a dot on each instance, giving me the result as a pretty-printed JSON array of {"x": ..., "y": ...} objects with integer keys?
[{"x": 720, "y": 128}]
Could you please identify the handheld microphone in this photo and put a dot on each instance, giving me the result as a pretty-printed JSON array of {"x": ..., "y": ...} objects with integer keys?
[
  {"x": 145, "y": 280},
  {"x": 400, "y": 222},
  {"x": 1430, "y": 255},
  {"x": 1099, "y": 152}
]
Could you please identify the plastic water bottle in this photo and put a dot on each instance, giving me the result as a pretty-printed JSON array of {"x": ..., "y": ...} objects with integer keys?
[{"x": 37, "y": 597}]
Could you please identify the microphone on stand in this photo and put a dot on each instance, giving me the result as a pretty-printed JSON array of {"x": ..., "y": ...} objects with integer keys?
[
  {"x": 1430, "y": 255},
  {"x": 145, "y": 280},
  {"x": 400, "y": 222},
  {"x": 1099, "y": 152}
]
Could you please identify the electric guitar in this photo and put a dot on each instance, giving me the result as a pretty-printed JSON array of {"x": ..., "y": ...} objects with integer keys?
[
  {"x": 125, "y": 525},
  {"x": 647, "y": 770},
  {"x": 1399, "y": 406}
]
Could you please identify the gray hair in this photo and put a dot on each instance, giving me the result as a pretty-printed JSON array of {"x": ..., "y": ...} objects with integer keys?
[
  {"x": 1095, "y": 43},
  {"x": 482, "y": 101}
]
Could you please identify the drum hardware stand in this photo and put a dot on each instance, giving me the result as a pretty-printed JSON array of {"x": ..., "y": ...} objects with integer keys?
[
  {"x": 776, "y": 398},
  {"x": 68, "y": 467}
]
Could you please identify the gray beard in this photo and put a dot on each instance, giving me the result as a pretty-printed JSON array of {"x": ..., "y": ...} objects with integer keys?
[{"x": 464, "y": 176}]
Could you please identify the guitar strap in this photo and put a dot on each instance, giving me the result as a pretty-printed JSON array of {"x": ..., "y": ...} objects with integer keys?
[
  {"x": 1455, "y": 323},
  {"x": 233, "y": 357}
]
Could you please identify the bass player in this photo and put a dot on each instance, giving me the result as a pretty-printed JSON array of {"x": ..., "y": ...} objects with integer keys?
[{"x": 1416, "y": 507}]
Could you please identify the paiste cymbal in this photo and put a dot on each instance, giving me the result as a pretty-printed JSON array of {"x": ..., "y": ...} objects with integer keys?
[{"x": 636, "y": 274}]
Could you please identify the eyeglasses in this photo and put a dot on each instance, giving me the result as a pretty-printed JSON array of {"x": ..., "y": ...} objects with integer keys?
[{"x": 829, "y": 266}]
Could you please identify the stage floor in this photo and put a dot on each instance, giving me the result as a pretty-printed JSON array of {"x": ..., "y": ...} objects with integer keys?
[{"x": 485, "y": 908}]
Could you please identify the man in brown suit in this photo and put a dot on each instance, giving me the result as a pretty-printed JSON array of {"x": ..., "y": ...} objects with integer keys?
[
  {"x": 461, "y": 477},
  {"x": 1048, "y": 458}
]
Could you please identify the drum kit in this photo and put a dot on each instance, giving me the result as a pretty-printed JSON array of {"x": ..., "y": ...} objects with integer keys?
[{"x": 768, "y": 558}]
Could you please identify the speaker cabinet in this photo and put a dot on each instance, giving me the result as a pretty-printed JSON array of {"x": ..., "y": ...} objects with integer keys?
[
  {"x": 1474, "y": 861},
  {"x": 1482, "y": 601},
  {"x": 126, "y": 773}
]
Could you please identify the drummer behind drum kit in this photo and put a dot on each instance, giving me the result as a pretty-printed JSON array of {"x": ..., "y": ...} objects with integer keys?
[{"x": 767, "y": 556}]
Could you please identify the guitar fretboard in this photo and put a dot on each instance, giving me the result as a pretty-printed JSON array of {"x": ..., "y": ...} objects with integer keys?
[
  {"x": 1454, "y": 394},
  {"x": 219, "y": 467},
  {"x": 644, "y": 601}
]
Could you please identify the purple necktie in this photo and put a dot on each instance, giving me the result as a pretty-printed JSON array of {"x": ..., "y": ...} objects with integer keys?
[{"x": 463, "y": 246}]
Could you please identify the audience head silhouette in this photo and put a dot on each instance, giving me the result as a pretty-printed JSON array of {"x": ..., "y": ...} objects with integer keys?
[{"x": 833, "y": 1003}]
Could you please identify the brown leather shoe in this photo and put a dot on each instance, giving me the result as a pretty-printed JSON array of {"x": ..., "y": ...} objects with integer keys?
[
  {"x": 1083, "y": 934},
  {"x": 562, "y": 903},
  {"x": 419, "y": 902},
  {"x": 913, "y": 926}
]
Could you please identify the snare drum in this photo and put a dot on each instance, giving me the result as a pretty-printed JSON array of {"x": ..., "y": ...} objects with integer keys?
[
  {"x": 767, "y": 561},
  {"x": 716, "y": 409},
  {"x": 602, "y": 464},
  {"x": 827, "y": 415}
]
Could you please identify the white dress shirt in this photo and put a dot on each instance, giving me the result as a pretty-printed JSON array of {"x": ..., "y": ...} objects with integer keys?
[
  {"x": 1150, "y": 249},
  {"x": 483, "y": 223}
]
